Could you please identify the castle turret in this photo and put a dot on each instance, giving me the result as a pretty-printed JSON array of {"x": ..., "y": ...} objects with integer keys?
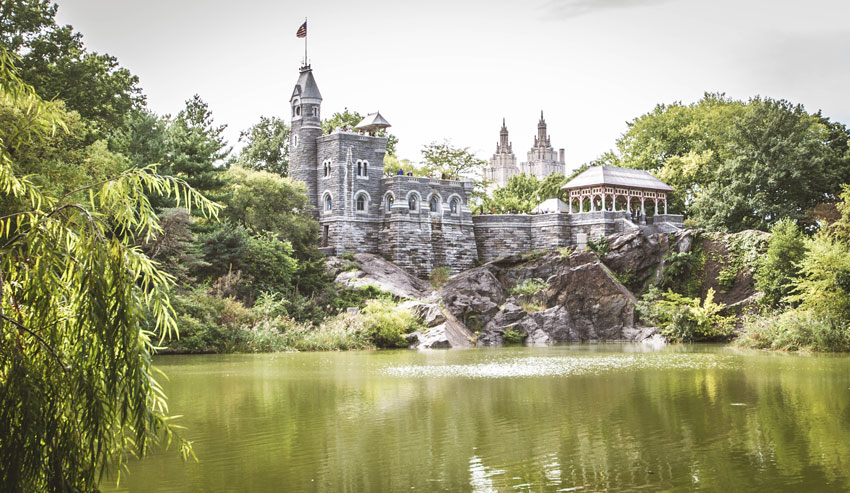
[{"x": 306, "y": 102}]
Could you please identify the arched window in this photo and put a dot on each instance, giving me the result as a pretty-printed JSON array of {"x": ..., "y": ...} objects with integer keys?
[
  {"x": 365, "y": 169},
  {"x": 433, "y": 203},
  {"x": 361, "y": 203},
  {"x": 359, "y": 168},
  {"x": 297, "y": 111},
  {"x": 328, "y": 203},
  {"x": 316, "y": 111},
  {"x": 454, "y": 206},
  {"x": 390, "y": 203},
  {"x": 411, "y": 203}
]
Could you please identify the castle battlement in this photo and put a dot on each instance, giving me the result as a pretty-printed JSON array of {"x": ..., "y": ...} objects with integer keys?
[{"x": 421, "y": 223}]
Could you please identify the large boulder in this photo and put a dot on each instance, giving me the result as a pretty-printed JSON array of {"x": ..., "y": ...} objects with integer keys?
[
  {"x": 583, "y": 301},
  {"x": 369, "y": 269}
]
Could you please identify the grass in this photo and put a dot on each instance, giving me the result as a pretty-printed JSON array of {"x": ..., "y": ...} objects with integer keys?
[
  {"x": 533, "y": 306},
  {"x": 796, "y": 330},
  {"x": 440, "y": 276},
  {"x": 529, "y": 287}
]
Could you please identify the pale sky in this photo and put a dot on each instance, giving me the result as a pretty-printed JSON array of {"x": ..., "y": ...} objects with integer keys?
[{"x": 452, "y": 69}]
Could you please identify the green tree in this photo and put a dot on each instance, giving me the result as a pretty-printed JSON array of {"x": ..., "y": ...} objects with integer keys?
[
  {"x": 197, "y": 147},
  {"x": 266, "y": 146},
  {"x": 738, "y": 165},
  {"x": 781, "y": 163},
  {"x": 78, "y": 393},
  {"x": 455, "y": 162},
  {"x": 785, "y": 250},
  {"x": 262, "y": 201},
  {"x": 55, "y": 61},
  {"x": 520, "y": 194},
  {"x": 350, "y": 119},
  {"x": 143, "y": 139}
]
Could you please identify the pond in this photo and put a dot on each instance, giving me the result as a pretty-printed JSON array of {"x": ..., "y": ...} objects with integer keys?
[{"x": 560, "y": 418}]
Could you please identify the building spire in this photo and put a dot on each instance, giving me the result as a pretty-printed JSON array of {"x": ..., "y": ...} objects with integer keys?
[
  {"x": 541, "y": 138},
  {"x": 504, "y": 146}
]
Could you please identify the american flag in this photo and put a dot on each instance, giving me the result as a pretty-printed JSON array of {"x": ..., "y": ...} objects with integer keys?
[{"x": 302, "y": 31}]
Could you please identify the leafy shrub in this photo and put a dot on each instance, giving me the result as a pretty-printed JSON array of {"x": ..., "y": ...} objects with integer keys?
[
  {"x": 796, "y": 330},
  {"x": 348, "y": 256},
  {"x": 629, "y": 279},
  {"x": 209, "y": 323},
  {"x": 385, "y": 323},
  {"x": 512, "y": 336},
  {"x": 786, "y": 248},
  {"x": 822, "y": 274},
  {"x": 533, "y": 255},
  {"x": 685, "y": 319},
  {"x": 726, "y": 277},
  {"x": 529, "y": 287},
  {"x": 601, "y": 246},
  {"x": 681, "y": 271},
  {"x": 440, "y": 276}
]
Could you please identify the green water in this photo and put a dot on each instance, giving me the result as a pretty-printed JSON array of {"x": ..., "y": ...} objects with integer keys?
[{"x": 563, "y": 418}]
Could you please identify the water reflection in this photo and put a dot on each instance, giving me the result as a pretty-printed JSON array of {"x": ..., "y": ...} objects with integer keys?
[{"x": 515, "y": 419}]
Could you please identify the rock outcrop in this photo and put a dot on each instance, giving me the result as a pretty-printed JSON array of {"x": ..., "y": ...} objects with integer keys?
[
  {"x": 565, "y": 295},
  {"x": 583, "y": 301},
  {"x": 367, "y": 269}
]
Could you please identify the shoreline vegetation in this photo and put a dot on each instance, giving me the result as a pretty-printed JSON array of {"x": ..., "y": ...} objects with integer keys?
[{"x": 121, "y": 228}]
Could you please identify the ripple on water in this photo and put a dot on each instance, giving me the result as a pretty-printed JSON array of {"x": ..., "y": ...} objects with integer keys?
[{"x": 565, "y": 366}]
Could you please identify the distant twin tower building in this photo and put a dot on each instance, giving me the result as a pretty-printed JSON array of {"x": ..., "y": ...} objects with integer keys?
[{"x": 542, "y": 158}]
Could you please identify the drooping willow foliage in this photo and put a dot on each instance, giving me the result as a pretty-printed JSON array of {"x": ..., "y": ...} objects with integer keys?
[{"x": 78, "y": 393}]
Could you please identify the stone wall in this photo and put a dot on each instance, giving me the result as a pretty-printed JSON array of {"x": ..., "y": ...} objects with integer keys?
[
  {"x": 419, "y": 240},
  {"x": 501, "y": 235}
]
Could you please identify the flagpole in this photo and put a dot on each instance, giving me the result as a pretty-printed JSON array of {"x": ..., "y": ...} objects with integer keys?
[{"x": 305, "y": 44}]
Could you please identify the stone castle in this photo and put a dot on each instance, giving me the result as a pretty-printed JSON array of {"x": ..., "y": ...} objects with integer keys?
[
  {"x": 422, "y": 223},
  {"x": 542, "y": 158}
]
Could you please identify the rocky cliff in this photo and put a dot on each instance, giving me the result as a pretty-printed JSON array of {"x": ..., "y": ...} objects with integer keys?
[{"x": 566, "y": 295}]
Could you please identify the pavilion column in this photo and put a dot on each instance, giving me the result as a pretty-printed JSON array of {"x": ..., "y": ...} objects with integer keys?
[
  {"x": 665, "y": 207},
  {"x": 592, "y": 204},
  {"x": 629, "y": 203},
  {"x": 603, "y": 200},
  {"x": 655, "y": 211},
  {"x": 570, "y": 207},
  {"x": 642, "y": 208}
]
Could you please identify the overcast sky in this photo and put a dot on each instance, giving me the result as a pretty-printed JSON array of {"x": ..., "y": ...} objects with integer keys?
[{"x": 452, "y": 69}]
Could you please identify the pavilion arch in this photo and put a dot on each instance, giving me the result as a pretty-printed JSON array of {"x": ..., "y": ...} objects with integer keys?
[
  {"x": 414, "y": 201},
  {"x": 433, "y": 206},
  {"x": 387, "y": 202},
  {"x": 455, "y": 203},
  {"x": 362, "y": 199}
]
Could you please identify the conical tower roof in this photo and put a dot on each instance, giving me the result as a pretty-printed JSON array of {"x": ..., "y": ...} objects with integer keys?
[{"x": 306, "y": 87}]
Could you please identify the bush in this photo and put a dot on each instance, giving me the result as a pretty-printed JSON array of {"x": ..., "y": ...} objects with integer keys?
[
  {"x": 786, "y": 248},
  {"x": 529, "y": 287},
  {"x": 681, "y": 271},
  {"x": 684, "y": 319},
  {"x": 385, "y": 323},
  {"x": 796, "y": 330},
  {"x": 512, "y": 336},
  {"x": 601, "y": 246},
  {"x": 209, "y": 323},
  {"x": 440, "y": 276}
]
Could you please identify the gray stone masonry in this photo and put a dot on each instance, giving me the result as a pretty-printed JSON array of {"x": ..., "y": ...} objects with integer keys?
[
  {"x": 418, "y": 223},
  {"x": 501, "y": 235}
]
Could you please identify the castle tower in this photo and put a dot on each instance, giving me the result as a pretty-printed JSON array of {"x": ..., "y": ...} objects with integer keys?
[
  {"x": 503, "y": 163},
  {"x": 306, "y": 127},
  {"x": 542, "y": 158}
]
